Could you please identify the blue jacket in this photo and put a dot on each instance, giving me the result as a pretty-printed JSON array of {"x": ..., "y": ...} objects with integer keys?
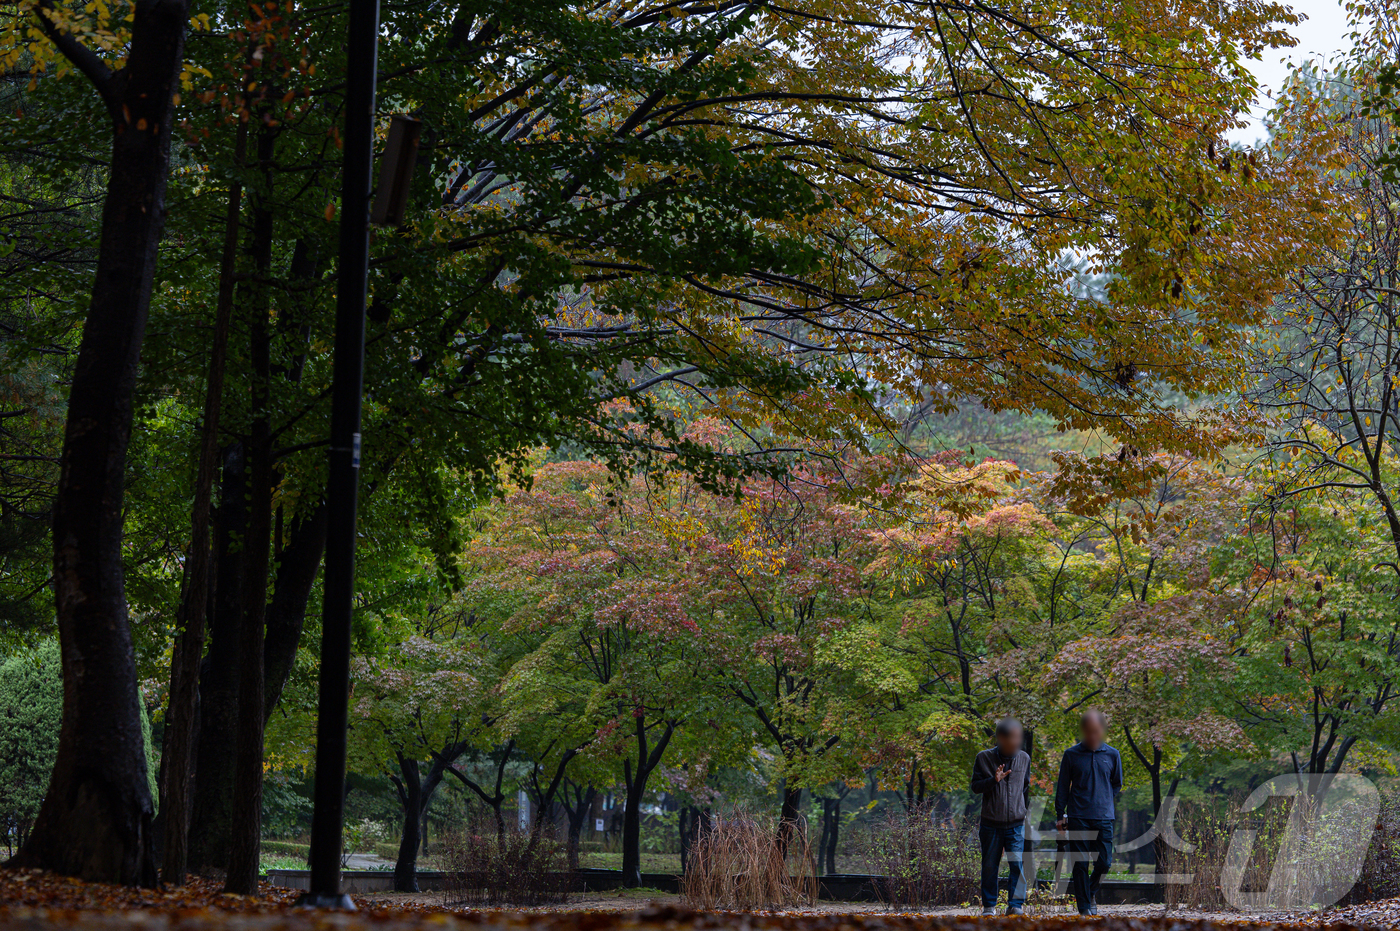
[{"x": 1089, "y": 782}]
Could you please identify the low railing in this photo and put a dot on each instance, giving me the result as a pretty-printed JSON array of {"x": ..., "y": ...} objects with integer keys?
[{"x": 837, "y": 887}]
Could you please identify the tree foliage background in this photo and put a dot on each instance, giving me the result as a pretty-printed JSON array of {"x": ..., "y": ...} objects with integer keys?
[{"x": 756, "y": 395}]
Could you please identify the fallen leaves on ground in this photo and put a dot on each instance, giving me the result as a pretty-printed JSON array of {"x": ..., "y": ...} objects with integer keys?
[
  {"x": 36, "y": 901},
  {"x": 1382, "y": 914},
  {"x": 37, "y": 889}
]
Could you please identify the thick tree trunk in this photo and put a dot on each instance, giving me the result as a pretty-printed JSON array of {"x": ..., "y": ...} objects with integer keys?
[
  {"x": 694, "y": 822},
  {"x": 218, "y": 710},
  {"x": 632, "y": 826},
  {"x": 194, "y": 599},
  {"x": 95, "y": 821},
  {"x": 248, "y": 777},
  {"x": 297, "y": 565},
  {"x": 415, "y": 795}
]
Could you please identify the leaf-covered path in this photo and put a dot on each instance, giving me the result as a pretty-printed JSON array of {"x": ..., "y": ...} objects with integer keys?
[{"x": 40, "y": 902}]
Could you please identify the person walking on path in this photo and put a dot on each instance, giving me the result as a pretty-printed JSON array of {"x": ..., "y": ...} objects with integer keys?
[
  {"x": 1091, "y": 775},
  {"x": 1002, "y": 776}
]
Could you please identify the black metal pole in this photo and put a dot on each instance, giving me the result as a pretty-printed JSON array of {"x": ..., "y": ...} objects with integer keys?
[{"x": 328, "y": 815}]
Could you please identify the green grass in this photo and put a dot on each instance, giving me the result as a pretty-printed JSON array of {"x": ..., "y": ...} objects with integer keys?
[
  {"x": 274, "y": 861},
  {"x": 641, "y": 892},
  {"x": 651, "y": 862}
]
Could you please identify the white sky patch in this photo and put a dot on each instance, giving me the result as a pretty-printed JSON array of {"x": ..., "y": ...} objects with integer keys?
[{"x": 1321, "y": 38}]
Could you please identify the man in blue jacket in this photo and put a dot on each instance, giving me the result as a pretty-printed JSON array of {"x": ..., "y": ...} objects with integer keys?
[{"x": 1091, "y": 775}]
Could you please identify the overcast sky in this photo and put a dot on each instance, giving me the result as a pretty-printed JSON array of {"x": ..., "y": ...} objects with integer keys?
[{"x": 1320, "y": 37}]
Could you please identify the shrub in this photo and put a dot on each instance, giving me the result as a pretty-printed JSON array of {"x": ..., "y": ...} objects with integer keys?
[
  {"x": 31, "y": 709},
  {"x": 923, "y": 860},
  {"x": 285, "y": 849},
  {"x": 740, "y": 861},
  {"x": 286, "y": 812},
  {"x": 517, "y": 868},
  {"x": 659, "y": 833},
  {"x": 362, "y": 836},
  {"x": 1209, "y": 831},
  {"x": 1380, "y": 874}
]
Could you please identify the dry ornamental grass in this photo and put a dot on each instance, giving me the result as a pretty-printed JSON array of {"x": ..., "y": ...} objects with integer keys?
[{"x": 744, "y": 862}]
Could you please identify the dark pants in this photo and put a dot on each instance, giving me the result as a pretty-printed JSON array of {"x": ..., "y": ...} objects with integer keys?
[
  {"x": 996, "y": 839},
  {"x": 1089, "y": 837}
]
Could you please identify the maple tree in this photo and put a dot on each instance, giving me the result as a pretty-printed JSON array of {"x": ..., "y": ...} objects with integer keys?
[
  {"x": 418, "y": 707},
  {"x": 1156, "y": 653},
  {"x": 963, "y": 562},
  {"x": 618, "y": 649},
  {"x": 1317, "y": 648},
  {"x": 777, "y": 578}
]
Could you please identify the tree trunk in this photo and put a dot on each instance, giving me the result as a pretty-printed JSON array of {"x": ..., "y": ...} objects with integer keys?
[
  {"x": 211, "y": 810},
  {"x": 632, "y": 826},
  {"x": 789, "y": 816},
  {"x": 194, "y": 601},
  {"x": 415, "y": 795},
  {"x": 578, "y": 816},
  {"x": 410, "y": 786},
  {"x": 694, "y": 821},
  {"x": 297, "y": 564},
  {"x": 636, "y": 791},
  {"x": 95, "y": 820},
  {"x": 300, "y": 560},
  {"x": 248, "y": 779},
  {"x": 684, "y": 822},
  {"x": 831, "y": 833},
  {"x": 297, "y": 567}
]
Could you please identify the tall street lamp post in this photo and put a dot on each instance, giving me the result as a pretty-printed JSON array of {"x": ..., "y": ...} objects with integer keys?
[{"x": 342, "y": 483}]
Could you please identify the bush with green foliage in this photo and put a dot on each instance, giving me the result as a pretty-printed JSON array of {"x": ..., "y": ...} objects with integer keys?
[
  {"x": 31, "y": 710},
  {"x": 286, "y": 810}
]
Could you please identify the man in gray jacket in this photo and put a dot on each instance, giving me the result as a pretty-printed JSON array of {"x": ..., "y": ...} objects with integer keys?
[{"x": 1002, "y": 776}]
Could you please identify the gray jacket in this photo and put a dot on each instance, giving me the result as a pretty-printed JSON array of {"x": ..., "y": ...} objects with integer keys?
[{"x": 1003, "y": 802}]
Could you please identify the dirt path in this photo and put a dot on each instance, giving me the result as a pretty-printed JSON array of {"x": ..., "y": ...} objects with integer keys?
[{"x": 643, "y": 899}]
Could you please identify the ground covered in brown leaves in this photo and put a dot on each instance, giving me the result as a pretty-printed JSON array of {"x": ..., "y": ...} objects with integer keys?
[
  {"x": 32, "y": 889},
  {"x": 38, "y": 902}
]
